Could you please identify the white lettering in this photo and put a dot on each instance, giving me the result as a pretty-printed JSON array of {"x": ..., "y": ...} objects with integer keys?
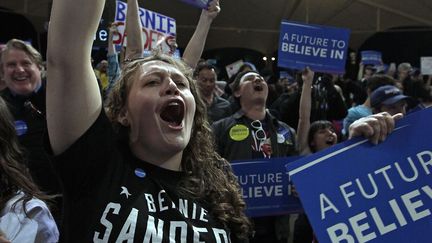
[
  {"x": 150, "y": 203},
  {"x": 330, "y": 205},
  {"x": 375, "y": 188},
  {"x": 183, "y": 206},
  {"x": 345, "y": 194},
  {"x": 383, "y": 229},
  {"x": 108, "y": 225},
  {"x": 383, "y": 170},
  {"x": 152, "y": 234},
  {"x": 128, "y": 230},
  {"x": 413, "y": 206},
  {"x": 343, "y": 236},
  {"x": 398, "y": 213},
  {"x": 219, "y": 235},
  {"x": 360, "y": 228},
  {"x": 425, "y": 163},
  {"x": 173, "y": 228},
  {"x": 197, "y": 231},
  {"x": 161, "y": 200},
  {"x": 203, "y": 214},
  {"x": 403, "y": 176}
]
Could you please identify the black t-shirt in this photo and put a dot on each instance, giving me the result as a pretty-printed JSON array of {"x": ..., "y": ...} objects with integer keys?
[{"x": 112, "y": 196}]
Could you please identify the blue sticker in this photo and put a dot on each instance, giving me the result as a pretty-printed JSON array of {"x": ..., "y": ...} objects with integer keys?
[
  {"x": 283, "y": 135},
  {"x": 21, "y": 127},
  {"x": 140, "y": 173}
]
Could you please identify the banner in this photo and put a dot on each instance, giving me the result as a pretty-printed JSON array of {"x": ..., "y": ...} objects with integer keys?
[
  {"x": 155, "y": 26},
  {"x": 359, "y": 192},
  {"x": 371, "y": 57},
  {"x": 266, "y": 187},
  {"x": 322, "y": 48},
  {"x": 197, "y": 3},
  {"x": 426, "y": 65}
]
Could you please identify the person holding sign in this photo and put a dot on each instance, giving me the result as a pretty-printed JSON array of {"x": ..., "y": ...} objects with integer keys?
[
  {"x": 194, "y": 48},
  {"x": 320, "y": 134},
  {"x": 157, "y": 176},
  {"x": 390, "y": 99},
  {"x": 365, "y": 109},
  {"x": 253, "y": 133},
  {"x": 311, "y": 138}
]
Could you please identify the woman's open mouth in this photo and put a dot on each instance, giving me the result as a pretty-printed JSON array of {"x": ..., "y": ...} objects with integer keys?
[
  {"x": 172, "y": 112},
  {"x": 258, "y": 87}
]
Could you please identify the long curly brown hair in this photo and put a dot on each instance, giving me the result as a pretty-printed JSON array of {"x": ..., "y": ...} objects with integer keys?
[
  {"x": 210, "y": 178},
  {"x": 14, "y": 175}
]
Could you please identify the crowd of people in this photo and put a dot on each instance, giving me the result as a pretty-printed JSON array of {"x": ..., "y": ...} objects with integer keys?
[{"x": 138, "y": 148}]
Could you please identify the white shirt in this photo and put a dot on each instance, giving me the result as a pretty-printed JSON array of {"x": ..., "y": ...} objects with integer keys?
[{"x": 38, "y": 226}]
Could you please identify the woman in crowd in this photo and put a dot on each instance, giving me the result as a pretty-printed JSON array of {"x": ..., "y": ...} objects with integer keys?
[
  {"x": 156, "y": 176},
  {"x": 24, "y": 215}
]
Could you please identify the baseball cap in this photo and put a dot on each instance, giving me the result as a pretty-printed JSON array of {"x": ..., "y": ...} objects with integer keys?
[{"x": 387, "y": 95}]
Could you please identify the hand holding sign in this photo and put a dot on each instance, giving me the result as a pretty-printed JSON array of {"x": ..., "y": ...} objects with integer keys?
[
  {"x": 213, "y": 10},
  {"x": 375, "y": 127},
  {"x": 371, "y": 193},
  {"x": 308, "y": 75}
]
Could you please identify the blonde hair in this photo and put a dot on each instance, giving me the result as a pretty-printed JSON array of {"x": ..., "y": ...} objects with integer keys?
[{"x": 15, "y": 44}]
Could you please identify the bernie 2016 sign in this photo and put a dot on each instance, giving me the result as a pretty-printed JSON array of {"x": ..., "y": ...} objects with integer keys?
[
  {"x": 266, "y": 187},
  {"x": 359, "y": 192},
  {"x": 155, "y": 26},
  {"x": 321, "y": 48}
]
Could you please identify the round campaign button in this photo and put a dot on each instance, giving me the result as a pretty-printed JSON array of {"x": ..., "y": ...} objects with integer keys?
[
  {"x": 280, "y": 138},
  {"x": 239, "y": 132},
  {"x": 140, "y": 173},
  {"x": 20, "y": 127}
]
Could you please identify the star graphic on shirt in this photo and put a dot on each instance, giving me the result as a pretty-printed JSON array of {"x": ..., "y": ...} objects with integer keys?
[{"x": 125, "y": 191}]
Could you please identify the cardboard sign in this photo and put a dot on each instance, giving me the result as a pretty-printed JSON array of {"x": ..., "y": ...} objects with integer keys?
[
  {"x": 156, "y": 27},
  {"x": 359, "y": 192},
  {"x": 233, "y": 68},
  {"x": 322, "y": 48},
  {"x": 266, "y": 187},
  {"x": 426, "y": 65}
]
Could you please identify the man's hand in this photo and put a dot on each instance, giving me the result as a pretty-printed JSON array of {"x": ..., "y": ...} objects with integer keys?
[
  {"x": 212, "y": 10},
  {"x": 3, "y": 238},
  {"x": 307, "y": 76},
  {"x": 374, "y": 127}
]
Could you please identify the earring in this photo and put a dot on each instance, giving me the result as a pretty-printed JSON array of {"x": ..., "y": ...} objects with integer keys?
[{"x": 124, "y": 122}]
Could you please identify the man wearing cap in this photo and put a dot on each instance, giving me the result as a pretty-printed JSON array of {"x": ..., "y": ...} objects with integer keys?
[
  {"x": 390, "y": 99},
  {"x": 365, "y": 109}
]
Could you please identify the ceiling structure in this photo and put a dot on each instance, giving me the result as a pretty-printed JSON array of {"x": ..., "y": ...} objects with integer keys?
[{"x": 255, "y": 24}]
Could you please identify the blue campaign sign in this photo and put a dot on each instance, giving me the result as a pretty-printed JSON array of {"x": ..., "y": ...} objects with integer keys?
[
  {"x": 322, "y": 48},
  {"x": 197, "y": 3},
  {"x": 360, "y": 192},
  {"x": 371, "y": 57},
  {"x": 266, "y": 187}
]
